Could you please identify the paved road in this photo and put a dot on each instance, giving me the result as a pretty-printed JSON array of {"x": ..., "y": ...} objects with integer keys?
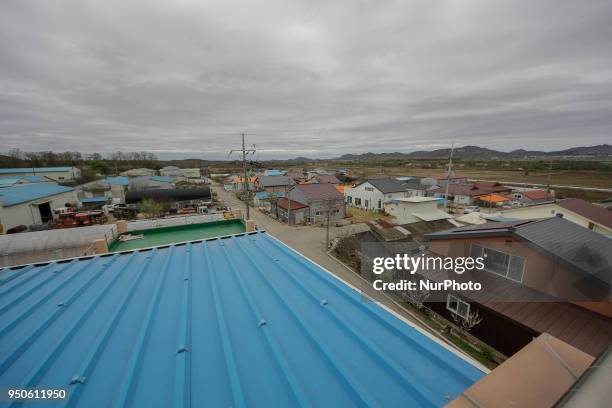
[{"x": 310, "y": 242}]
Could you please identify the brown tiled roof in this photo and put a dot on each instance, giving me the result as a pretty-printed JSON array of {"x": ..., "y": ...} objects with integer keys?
[
  {"x": 319, "y": 191},
  {"x": 282, "y": 203},
  {"x": 323, "y": 178},
  {"x": 537, "y": 376},
  {"x": 591, "y": 211},
  {"x": 536, "y": 194}
]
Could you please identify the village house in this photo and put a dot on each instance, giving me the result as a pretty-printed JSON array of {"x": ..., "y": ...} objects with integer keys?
[
  {"x": 325, "y": 178},
  {"x": 297, "y": 175},
  {"x": 459, "y": 194},
  {"x": 323, "y": 200},
  {"x": 530, "y": 196},
  {"x": 373, "y": 193},
  {"x": 591, "y": 216},
  {"x": 297, "y": 214},
  {"x": 238, "y": 183},
  {"x": 467, "y": 194},
  {"x": 546, "y": 275},
  {"x": 263, "y": 198},
  {"x": 272, "y": 184},
  {"x": 414, "y": 209}
]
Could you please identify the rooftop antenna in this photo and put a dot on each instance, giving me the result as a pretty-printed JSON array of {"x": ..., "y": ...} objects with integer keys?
[
  {"x": 448, "y": 175},
  {"x": 245, "y": 182}
]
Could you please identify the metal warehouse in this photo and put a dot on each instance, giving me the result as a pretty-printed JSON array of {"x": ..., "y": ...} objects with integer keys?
[{"x": 234, "y": 321}]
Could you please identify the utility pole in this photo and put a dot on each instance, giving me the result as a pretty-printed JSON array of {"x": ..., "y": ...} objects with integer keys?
[
  {"x": 550, "y": 165},
  {"x": 288, "y": 203},
  {"x": 448, "y": 176},
  {"x": 245, "y": 184}
]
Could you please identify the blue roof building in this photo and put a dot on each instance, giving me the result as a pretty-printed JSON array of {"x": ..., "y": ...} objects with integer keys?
[
  {"x": 115, "y": 181},
  {"x": 19, "y": 170},
  {"x": 163, "y": 179},
  {"x": 234, "y": 321},
  {"x": 22, "y": 193}
]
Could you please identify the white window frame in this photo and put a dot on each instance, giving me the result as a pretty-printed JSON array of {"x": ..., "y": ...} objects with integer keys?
[
  {"x": 507, "y": 266},
  {"x": 452, "y": 298}
]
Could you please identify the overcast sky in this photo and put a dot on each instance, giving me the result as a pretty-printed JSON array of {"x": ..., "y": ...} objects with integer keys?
[{"x": 182, "y": 78}]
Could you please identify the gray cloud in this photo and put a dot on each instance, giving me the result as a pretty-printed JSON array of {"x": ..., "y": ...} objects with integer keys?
[{"x": 316, "y": 78}]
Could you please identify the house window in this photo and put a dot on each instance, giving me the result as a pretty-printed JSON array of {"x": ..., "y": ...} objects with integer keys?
[
  {"x": 500, "y": 263},
  {"x": 349, "y": 199},
  {"x": 318, "y": 213},
  {"x": 379, "y": 203},
  {"x": 367, "y": 204},
  {"x": 457, "y": 306},
  {"x": 357, "y": 201},
  {"x": 369, "y": 189}
]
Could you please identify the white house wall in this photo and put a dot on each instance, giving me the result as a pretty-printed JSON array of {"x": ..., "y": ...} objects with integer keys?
[
  {"x": 371, "y": 196},
  {"x": 27, "y": 214}
]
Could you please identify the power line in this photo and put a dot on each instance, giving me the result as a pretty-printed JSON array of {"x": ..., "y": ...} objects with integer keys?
[{"x": 245, "y": 184}]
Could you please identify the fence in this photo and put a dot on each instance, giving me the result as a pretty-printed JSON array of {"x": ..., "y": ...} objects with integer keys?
[{"x": 174, "y": 221}]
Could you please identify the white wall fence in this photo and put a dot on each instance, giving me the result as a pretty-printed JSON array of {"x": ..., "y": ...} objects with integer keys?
[{"x": 173, "y": 221}]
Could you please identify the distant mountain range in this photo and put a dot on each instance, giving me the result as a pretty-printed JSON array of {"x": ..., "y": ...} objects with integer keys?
[{"x": 482, "y": 153}]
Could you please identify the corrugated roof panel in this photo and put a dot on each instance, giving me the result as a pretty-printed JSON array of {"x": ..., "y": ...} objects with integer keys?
[
  {"x": 22, "y": 193},
  {"x": 227, "y": 322},
  {"x": 116, "y": 181},
  {"x": 36, "y": 170}
]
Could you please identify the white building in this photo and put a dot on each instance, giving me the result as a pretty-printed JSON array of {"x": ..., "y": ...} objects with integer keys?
[
  {"x": 581, "y": 212},
  {"x": 141, "y": 172},
  {"x": 171, "y": 171},
  {"x": 193, "y": 173},
  {"x": 414, "y": 209},
  {"x": 374, "y": 193},
  {"x": 32, "y": 204},
  {"x": 54, "y": 173}
]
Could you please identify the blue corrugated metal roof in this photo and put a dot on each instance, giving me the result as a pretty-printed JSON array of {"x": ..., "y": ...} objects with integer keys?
[
  {"x": 163, "y": 179},
  {"x": 263, "y": 194},
  {"x": 273, "y": 172},
  {"x": 116, "y": 181},
  {"x": 97, "y": 199},
  {"x": 9, "y": 181},
  {"x": 22, "y": 193},
  {"x": 36, "y": 170},
  {"x": 5, "y": 182},
  {"x": 238, "y": 321}
]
